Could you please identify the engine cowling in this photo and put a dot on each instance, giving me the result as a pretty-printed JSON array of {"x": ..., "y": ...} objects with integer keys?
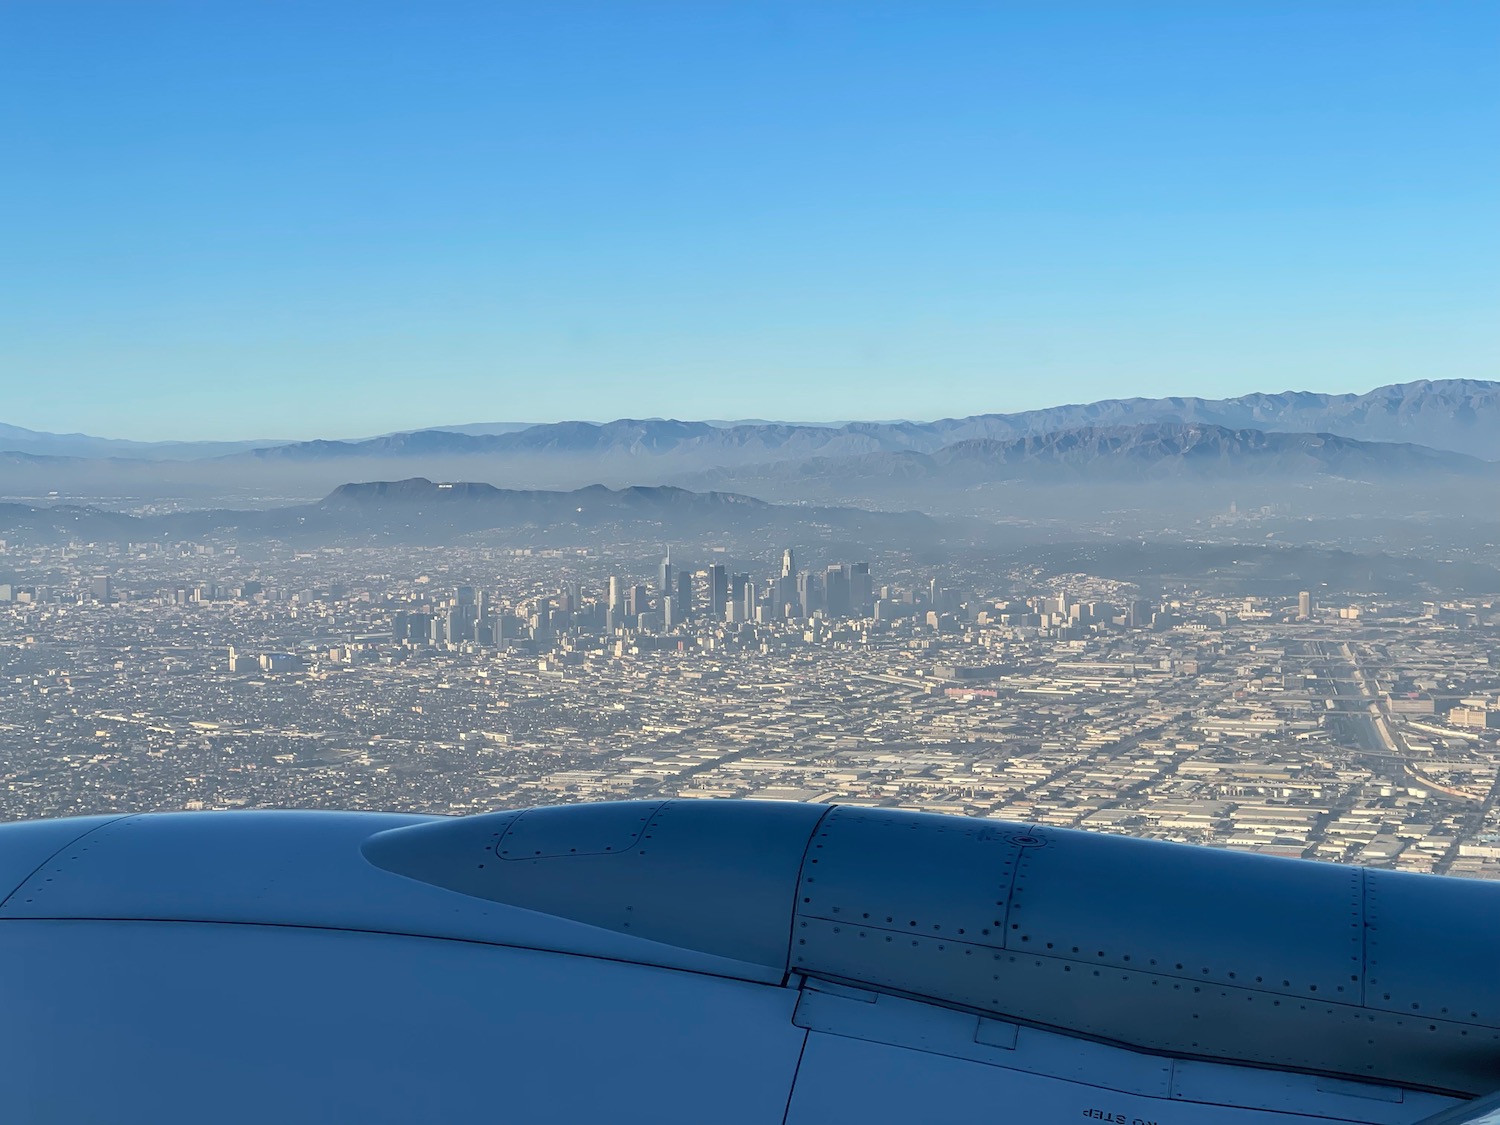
[{"x": 1184, "y": 951}]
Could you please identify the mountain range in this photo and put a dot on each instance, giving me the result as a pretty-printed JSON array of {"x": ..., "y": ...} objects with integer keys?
[
  {"x": 16, "y": 439},
  {"x": 1153, "y": 451},
  {"x": 1456, "y": 415},
  {"x": 1447, "y": 430},
  {"x": 421, "y": 511},
  {"x": 1459, "y": 415}
]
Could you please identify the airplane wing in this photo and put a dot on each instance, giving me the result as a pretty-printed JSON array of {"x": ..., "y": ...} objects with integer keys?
[{"x": 724, "y": 962}]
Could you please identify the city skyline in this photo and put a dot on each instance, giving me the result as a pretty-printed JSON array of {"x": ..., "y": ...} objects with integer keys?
[
  {"x": 1345, "y": 727},
  {"x": 871, "y": 561}
]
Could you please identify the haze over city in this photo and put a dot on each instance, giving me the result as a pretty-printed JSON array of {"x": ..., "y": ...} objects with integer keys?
[
  {"x": 761, "y": 563},
  {"x": 1177, "y": 519}
]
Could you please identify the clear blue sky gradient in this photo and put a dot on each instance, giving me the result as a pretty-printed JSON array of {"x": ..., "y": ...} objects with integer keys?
[{"x": 243, "y": 218}]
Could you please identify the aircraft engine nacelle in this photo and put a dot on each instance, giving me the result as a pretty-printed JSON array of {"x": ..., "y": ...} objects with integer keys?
[
  {"x": 1188, "y": 951},
  {"x": 723, "y": 961}
]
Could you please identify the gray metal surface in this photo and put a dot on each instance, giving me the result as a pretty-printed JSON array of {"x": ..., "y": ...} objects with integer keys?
[
  {"x": 1433, "y": 947},
  {"x": 963, "y": 1035},
  {"x": 1480, "y": 1111},
  {"x": 1187, "y": 952},
  {"x": 1276, "y": 925},
  {"x": 713, "y": 876},
  {"x": 170, "y": 1023},
  {"x": 1191, "y": 952},
  {"x": 1171, "y": 952},
  {"x": 291, "y": 869},
  {"x": 846, "y": 1080},
  {"x": 1156, "y": 1013},
  {"x": 27, "y": 846},
  {"x": 876, "y": 1018},
  {"x": 914, "y": 873},
  {"x": 610, "y": 828}
]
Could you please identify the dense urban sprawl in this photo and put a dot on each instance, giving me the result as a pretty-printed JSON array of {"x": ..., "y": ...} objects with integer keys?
[{"x": 193, "y": 676}]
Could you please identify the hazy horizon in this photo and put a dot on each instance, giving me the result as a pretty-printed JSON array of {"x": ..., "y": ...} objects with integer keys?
[
  {"x": 222, "y": 220},
  {"x": 516, "y": 485},
  {"x": 474, "y": 424}
]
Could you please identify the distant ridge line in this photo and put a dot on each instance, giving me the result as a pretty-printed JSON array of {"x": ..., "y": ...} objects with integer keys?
[{"x": 1459, "y": 415}]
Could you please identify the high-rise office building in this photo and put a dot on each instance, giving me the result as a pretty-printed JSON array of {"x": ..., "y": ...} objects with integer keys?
[
  {"x": 411, "y": 628},
  {"x": 861, "y": 592},
  {"x": 741, "y": 603},
  {"x": 684, "y": 600},
  {"x": 615, "y": 607},
  {"x": 637, "y": 600},
  {"x": 718, "y": 591},
  {"x": 102, "y": 589},
  {"x": 807, "y": 594},
  {"x": 479, "y": 628},
  {"x": 784, "y": 596},
  {"x": 242, "y": 662},
  {"x": 836, "y": 590},
  {"x": 784, "y": 588},
  {"x": 664, "y": 576},
  {"x": 1304, "y": 604}
]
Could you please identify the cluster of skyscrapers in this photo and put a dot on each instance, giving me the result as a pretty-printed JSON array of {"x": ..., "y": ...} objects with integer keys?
[
  {"x": 841, "y": 590},
  {"x": 679, "y": 595},
  {"x": 468, "y": 616}
]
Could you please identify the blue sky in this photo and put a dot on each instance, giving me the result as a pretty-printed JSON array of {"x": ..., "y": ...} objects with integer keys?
[{"x": 296, "y": 219}]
